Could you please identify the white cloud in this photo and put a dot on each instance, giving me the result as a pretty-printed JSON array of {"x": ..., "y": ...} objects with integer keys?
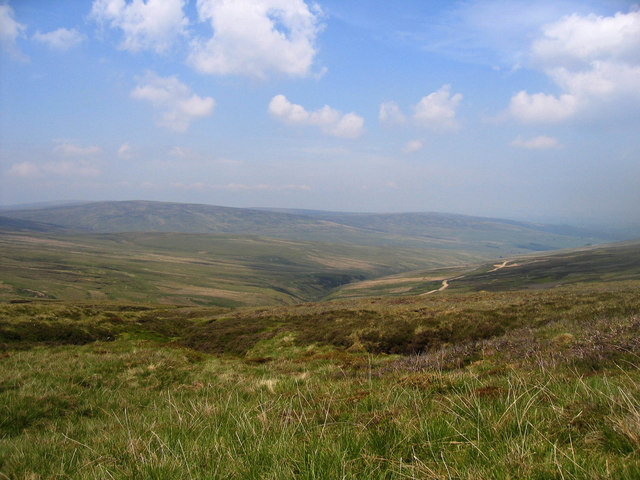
[
  {"x": 537, "y": 143},
  {"x": 71, "y": 149},
  {"x": 60, "y": 39},
  {"x": 390, "y": 114},
  {"x": 577, "y": 40},
  {"x": 329, "y": 120},
  {"x": 438, "y": 109},
  {"x": 256, "y": 37},
  {"x": 151, "y": 25},
  {"x": 412, "y": 147},
  {"x": 24, "y": 169},
  {"x": 10, "y": 31},
  {"x": 541, "y": 107},
  {"x": 594, "y": 60},
  {"x": 178, "y": 106},
  {"x": 125, "y": 151}
]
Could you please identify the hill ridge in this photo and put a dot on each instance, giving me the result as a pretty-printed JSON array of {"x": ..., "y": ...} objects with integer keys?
[{"x": 491, "y": 236}]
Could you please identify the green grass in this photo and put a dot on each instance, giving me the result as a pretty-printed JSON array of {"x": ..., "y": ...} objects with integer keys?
[
  {"x": 309, "y": 391},
  {"x": 111, "y": 366},
  {"x": 192, "y": 269}
]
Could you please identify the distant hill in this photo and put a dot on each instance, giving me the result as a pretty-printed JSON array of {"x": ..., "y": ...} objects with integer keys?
[
  {"x": 18, "y": 225},
  {"x": 490, "y": 237}
]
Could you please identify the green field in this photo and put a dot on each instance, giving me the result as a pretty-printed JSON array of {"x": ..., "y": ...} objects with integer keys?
[{"x": 199, "y": 356}]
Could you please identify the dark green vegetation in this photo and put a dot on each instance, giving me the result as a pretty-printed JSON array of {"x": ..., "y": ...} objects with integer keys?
[
  {"x": 173, "y": 355},
  {"x": 484, "y": 236}
]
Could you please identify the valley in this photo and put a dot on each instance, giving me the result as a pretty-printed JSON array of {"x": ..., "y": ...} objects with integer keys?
[{"x": 404, "y": 351}]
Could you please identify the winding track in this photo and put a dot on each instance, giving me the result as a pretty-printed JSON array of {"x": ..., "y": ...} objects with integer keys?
[{"x": 445, "y": 283}]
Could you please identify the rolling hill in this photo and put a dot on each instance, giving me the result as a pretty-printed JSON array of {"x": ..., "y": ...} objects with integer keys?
[
  {"x": 194, "y": 269},
  {"x": 482, "y": 236}
]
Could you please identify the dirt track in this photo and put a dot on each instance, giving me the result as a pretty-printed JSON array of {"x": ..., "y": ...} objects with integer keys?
[{"x": 445, "y": 283}]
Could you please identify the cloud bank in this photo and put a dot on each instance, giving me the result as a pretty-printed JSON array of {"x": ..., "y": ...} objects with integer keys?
[{"x": 595, "y": 62}]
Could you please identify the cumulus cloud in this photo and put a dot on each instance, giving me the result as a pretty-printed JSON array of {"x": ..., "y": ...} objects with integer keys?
[
  {"x": 412, "y": 147},
  {"x": 594, "y": 60},
  {"x": 10, "y": 31},
  {"x": 390, "y": 114},
  {"x": 541, "y": 107},
  {"x": 256, "y": 37},
  {"x": 329, "y": 120},
  {"x": 536, "y": 143},
  {"x": 438, "y": 109},
  {"x": 151, "y": 25},
  {"x": 60, "y": 39},
  {"x": 177, "y": 105},
  {"x": 576, "y": 40}
]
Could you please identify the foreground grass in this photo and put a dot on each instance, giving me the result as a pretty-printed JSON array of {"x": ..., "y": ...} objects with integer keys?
[{"x": 126, "y": 392}]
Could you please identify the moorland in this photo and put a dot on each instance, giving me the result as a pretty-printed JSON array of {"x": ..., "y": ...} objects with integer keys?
[{"x": 150, "y": 340}]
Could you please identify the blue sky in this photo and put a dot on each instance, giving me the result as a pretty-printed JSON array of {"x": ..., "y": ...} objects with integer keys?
[{"x": 516, "y": 109}]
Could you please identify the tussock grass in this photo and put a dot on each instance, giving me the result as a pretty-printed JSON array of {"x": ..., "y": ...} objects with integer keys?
[{"x": 308, "y": 392}]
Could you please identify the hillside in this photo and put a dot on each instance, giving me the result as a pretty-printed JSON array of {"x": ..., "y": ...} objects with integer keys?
[
  {"x": 482, "y": 236},
  {"x": 157, "y": 354},
  {"x": 533, "y": 383},
  {"x": 194, "y": 269},
  {"x": 604, "y": 263}
]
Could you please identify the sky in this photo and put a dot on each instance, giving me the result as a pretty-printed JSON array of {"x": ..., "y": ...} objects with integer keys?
[{"x": 516, "y": 109}]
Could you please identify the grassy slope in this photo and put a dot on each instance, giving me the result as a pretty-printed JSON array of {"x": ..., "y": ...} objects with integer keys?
[
  {"x": 589, "y": 264},
  {"x": 454, "y": 232},
  {"x": 107, "y": 391},
  {"x": 500, "y": 376},
  {"x": 192, "y": 268}
]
